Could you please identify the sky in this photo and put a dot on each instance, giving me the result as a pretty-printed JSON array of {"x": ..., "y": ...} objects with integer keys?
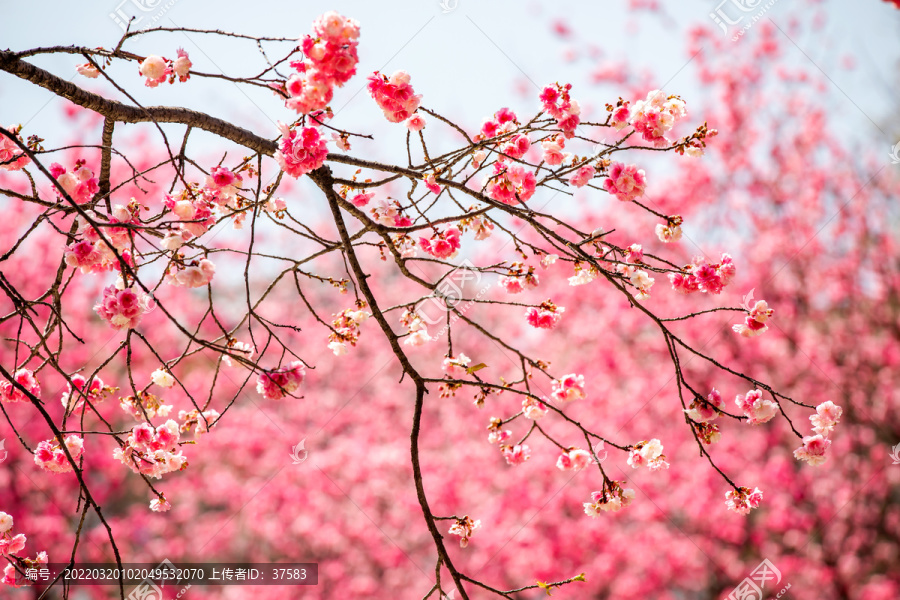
[{"x": 467, "y": 58}]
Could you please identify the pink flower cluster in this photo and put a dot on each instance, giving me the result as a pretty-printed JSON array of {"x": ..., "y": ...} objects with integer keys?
[
  {"x": 72, "y": 399},
  {"x": 443, "y": 244},
  {"x": 568, "y": 388},
  {"x": 757, "y": 409},
  {"x": 152, "y": 451},
  {"x": 193, "y": 276},
  {"x": 553, "y": 150},
  {"x": 11, "y": 547},
  {"x": 704, "y": 277},
  {"x": 519, "y": 279},
  {"x": 814, "y": 447},
  {"x": 648, "y": 454},
  {"x": 455, "y": 367},
  {"x": 625, "y": 182},
  {"x": 50, "y": 456},
  {"x": 702, "y": 411},
  {"x": 80, "y": 184},
  {"x": 331, "y": 59},
  {"x": 655, "y": 116},
  {"x": 510, "y": 183},
  {"x": 156, "y": 69},
  {"x": 345, "y": 330},
  {"x": 582, "y": 176},
  {"x": 464, "y": 528},
  {"x": 755, "y": 322},
  {"x": 122, "y": 308},
  {"x": 533, "y": 408},
  {"x": 25, "y": 378},
  {"x": 545, "y": 316},
  {"x": 276, "y": 384},
  {"x": 613, "y": 499},
  {"x": 418, "y": 330},
  {"x": 394, "y": 95},
  {"x": 557, "y": 103},
  {"x": 516, "y": 455},
  {"x": 9, "y": 544},
  {"x": 743, "y": 500},
  {"x": 574, "y": 460},
  {"x": 504, "y": 121},
  {"x": 300, "y": 152},
  {"x": 11, "y": 157}
]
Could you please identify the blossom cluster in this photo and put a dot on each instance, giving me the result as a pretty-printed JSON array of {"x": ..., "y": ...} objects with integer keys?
[
  {"x": 574, "y": 459},
  {"x": 612, "y": 499},
  {"x": 11, "y": 156},
  {"x": 395, "y": 96},
  {"x": 26, "y": 379},
  {"x": 330, "y": 61},
  {"x": 545, "y": 316},
  {"x": 534, "y": 409},
  {"x": 757, "y": 315},
  {"x": 464, "y": 528},
  {"x": 79, "y": 183},
  {"x": 625, "y": 182},
  {"x": 656, "y": 115},
  {"x": 50, "y": 456},
  {"x": 558, "y": 104},
  {"x": 704, "y": 277},
  {"x": 155, "y": 69},
  {"x": 519, "y": 279},
  {"x": 568, "y": 388},
  {"x": 443, "y": 244},
  {"x": 278, "y": 383},
  {"x": 743, "y": 500},
  {"x": 79, "y": 390},
  {"x": 648, "y": 454},
  {"x": 814, "y": 447},
  {"x": 152, "y": 451},
  {"x": 510, "y": 184},
  {"x": 11, "y": 547},
  {"x": 757, "y": 409},
  {"x": 345, "y": 330},
  {"x": 122, "y": 307},
  {"x": 418, "y": 330},
  {"x": 300, "y": 151}
]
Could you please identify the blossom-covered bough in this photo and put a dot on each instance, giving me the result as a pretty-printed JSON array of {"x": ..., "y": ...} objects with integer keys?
[{"x": 404, "y": 224}]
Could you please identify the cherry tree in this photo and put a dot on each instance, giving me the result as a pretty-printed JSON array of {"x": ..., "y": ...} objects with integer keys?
[{"x": 125, "y": 243}]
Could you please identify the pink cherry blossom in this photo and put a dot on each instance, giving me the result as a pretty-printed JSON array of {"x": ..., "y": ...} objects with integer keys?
[
  {"x": 610, "y": 500},
  {"x": 516, "y": 455},
  {"x": 464, "y": 528},
  {"x": 87, "y": 70},
  {"x": 416, "y": 122},
  {"x": 455, "y": 367},
  {"x": 573, "y": 460},
  {"x": 510, "y": 184},
  {"x": 757, "y": 409},
  {"x": 300, "y": 151},
  {"x": 122, "y": 309},
  {"x": 533, "y": 408},
  {"x": 828, "y": 414},
  {"x": 705, "y": 411},
  {"x": 813, "y": 449},
  {"x": 648, "y": 454},
  {"x": 154, "y": 69},
  {"x": 181, "y": 66},
  {"x": 743, "y": 500},
  {"x": 443, "y": 244},
  {"x": 26, "y": 379},
  {"x": 276, "y": 384},
  {"x": 582, "y": 176},
  {"x": 625, "y": 182},
  {"x": 395, "y": 96},
  {"x": 50, "y": 456},
  {"x": 568, "y": 388}
]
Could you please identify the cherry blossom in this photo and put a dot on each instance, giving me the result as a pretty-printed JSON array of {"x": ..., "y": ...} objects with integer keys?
[
  {"x": 300, "y": 151},
  {"x": 464, "y": 528},
  {"x": 510, "y": 184},
  {"x": 828, "y": 414},
  {"x": 122, "y": 308},
  {"x": 757, "y": 409},
  {"x": 743, "y": 500},
  {"x": 625, "y": 182},
  {"x": 516, "y": 455},
  {"x": 152, "y": 451},
  {"x": 154, "y": 69},
  {"x": 50, "y": 456},
  {"x": 545, "y": 316},
  {"x": 613, "y": 499},
  {"x": 648, "y": 454},
  {"x": 394, "y": 95},
  {"x": 573, "y": 460},
  {"x": 568, "y": 388},
  {"x": 276, "y": 384},
  {"x": 26, "y": 379},
  {"x": 443, "y": 244},
  {"x": 11, "y": 156},
  {"x": 533, "y": 408},
  {"x": 80, "y": 183},
  {"x": 813, "y": 449}
]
